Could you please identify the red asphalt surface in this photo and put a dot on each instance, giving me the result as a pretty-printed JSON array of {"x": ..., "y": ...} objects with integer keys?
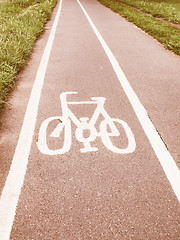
[{"x": 102, "y": 194}]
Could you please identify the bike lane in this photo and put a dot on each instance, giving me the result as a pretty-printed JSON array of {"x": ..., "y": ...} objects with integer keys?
[
  {"x": 93, "y": 195},
  {"x": 152, "y": 72}
]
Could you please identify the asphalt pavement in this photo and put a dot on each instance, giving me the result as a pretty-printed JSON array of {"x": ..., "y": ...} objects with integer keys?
[{"x": 89, "y": 142}]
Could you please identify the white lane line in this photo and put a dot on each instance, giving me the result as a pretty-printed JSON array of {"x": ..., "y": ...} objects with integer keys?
[
  {"x": 167, "y": 162},
  {"x": 14, "y": 182}
]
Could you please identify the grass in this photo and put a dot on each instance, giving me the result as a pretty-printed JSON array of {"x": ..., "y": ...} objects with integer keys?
[
  {"x": 167, "y": 10},
  {"x": 21, "y": 23},
  {"x": 165, "y": 33}
]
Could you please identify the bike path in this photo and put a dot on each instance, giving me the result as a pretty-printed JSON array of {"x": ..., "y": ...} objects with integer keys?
[
  {"x": 101, "y": 194},
  {"x": 152, "y": 72}
]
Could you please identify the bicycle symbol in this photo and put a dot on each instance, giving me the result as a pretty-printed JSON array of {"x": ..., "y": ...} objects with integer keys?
[{"x": 84, "y": 124}]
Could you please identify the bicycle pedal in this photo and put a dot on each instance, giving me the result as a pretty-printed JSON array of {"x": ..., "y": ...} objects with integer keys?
[{"x": 84, "y": 150}]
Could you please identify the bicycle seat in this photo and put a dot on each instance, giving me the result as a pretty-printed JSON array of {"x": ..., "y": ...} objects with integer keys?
[{"x": 99, "y": 99}]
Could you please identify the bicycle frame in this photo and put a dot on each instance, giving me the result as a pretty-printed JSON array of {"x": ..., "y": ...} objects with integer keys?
[
  {"x": 67, "y": 113},
  {"x": 84, "y": 124}
]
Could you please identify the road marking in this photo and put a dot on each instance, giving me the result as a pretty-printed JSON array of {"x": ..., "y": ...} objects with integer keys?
[
  {"x": 167, "y": 162},
  {"x": 14, "y": 182},
  {"x": 83, "y": 125}
]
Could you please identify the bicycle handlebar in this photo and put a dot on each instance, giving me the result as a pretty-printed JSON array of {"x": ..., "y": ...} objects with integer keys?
[{"x": 95, "y": 99}]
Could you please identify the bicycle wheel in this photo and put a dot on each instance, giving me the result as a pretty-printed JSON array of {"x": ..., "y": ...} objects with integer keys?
[
  {"x": 105, "y": 137},
  {"x": 42, "y": 140}
]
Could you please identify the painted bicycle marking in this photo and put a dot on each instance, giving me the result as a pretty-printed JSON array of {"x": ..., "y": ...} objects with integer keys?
[{"x": 84, "y": 124}]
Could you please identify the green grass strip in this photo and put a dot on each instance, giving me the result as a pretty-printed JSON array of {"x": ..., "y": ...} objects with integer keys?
[
  {"x": 21, "y": 23},
  {"x": 165, "y": 33},
  {"x": 169, "y": 11}
]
